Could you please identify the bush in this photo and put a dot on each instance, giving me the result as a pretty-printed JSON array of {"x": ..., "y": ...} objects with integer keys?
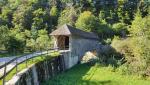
[{"x": 136, "y": 53}]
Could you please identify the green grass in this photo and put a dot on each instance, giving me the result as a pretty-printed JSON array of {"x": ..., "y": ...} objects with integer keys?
[
  {"x": 5, "y": 55},
  {"x": 29, "y": 62},
  {"x": 54, "y": 53},
  {"x": 94, "y": 75}
]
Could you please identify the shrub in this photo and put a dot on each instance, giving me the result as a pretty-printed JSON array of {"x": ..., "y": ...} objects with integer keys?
[{"x": 136, "y": 53}]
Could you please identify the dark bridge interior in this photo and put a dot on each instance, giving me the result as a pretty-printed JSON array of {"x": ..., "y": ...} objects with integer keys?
[{"x": 63, "y": 42}]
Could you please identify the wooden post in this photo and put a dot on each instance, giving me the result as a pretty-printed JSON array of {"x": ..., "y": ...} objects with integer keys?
[{"x": 4, "y": 73}]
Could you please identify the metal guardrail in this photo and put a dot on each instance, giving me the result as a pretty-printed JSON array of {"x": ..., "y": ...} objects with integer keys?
[
  {"x": 18, "y": 63},
  {"x": 7, "y": 63}
]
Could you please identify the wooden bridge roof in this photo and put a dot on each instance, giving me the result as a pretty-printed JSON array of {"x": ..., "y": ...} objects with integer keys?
[{"x": 69, "y": 30}]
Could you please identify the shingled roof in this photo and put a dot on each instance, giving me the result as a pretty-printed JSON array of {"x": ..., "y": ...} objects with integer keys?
[{"x": 69, "y": 30}]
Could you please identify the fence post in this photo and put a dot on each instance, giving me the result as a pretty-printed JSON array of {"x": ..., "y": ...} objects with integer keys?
[
  {"x": 4, "y": 73},
  {"x": 41, "y": 51},
  {"x": 47, "y": 52},
  {"x": 16, "y": 66},
  {"x": 26, "y": 62},
  {"x": 32, "y": 56}
]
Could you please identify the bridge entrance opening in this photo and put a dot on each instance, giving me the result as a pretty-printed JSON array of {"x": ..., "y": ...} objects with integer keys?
[{"x": 63, "y": 42}]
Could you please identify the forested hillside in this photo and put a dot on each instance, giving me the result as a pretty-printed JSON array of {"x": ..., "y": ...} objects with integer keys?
[{"x": 123, "y": 24}]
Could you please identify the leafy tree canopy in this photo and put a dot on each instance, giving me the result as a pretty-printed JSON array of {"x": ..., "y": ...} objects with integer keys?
[
  {"x": 87, "y": 21},
  {"x": 68, "y": 16}
]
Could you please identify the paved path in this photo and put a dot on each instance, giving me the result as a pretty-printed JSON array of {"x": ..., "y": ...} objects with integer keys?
[
  {"x": 20, "y": 59},
  {"x": 6, "y": 59}
]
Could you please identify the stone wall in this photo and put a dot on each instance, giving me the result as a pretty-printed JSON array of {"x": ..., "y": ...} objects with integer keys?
[{"x": 38, "y": 73}]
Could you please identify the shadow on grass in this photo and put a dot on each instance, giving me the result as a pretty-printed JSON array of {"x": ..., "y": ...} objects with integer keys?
[
  {"x": 78, "y": 75},
  {"x": 87, "y": 82}
]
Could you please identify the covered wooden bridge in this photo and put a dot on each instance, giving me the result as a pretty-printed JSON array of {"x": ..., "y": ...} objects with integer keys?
[{"x": 75, "y": 41}]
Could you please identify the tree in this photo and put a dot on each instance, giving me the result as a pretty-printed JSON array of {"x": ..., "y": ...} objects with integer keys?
[
  {"x": 140, "y": 26},
  {"x": 16, "y": 41},
  {"x": 38, "y": 20},
  {"x": 14, "y": 3},
  {"x": 43, "y": 41},
  {"x": 3, "y": 2},
  {"x": 144, "y": 7},
  {"x": 54, "y": 15},
  {"x": 87, "y": 22},
  {"x": 68, "y": 16},
  {"x": 15, "y": 45},
  {"x": 30, "y": 45},
  {"x": 101, "y": 16},
  {"x": 120, "y": 29},
  {"x": 41, "y": 19},
  {"x": 56, "y": 3},
  {"x": 104, "y": 30},
  {"x": 54, "y": 11},
  {"x": 4, "y": 35},
  {"x": 34, "y": 32},
  {"x": 23, "y": 18},
  {"x": 6, "y": 16}
]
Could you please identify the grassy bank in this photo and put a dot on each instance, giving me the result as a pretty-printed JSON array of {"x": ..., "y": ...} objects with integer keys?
[{"x": 94, "y": 75}]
